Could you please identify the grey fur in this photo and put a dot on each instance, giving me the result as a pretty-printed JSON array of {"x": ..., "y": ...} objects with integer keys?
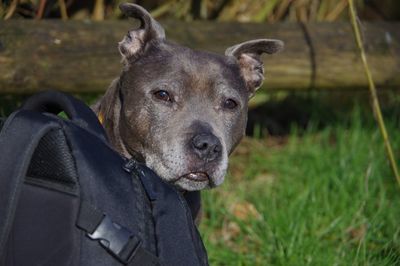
[{"x": 160, "y": 133}]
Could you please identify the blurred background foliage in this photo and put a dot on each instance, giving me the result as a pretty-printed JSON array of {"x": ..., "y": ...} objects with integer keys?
[{"x": 219, "y": 10}]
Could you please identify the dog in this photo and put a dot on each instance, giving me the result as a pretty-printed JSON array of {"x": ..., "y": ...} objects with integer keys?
[{"x": 180, "y": 111}]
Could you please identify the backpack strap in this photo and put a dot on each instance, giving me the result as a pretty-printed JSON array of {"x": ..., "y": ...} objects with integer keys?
[
  {"x": 55, "y": 102},
  {"x": 19, "y": 138},
  {"x": 116, "y": 239},
  {"x": 178, "y": 241}
]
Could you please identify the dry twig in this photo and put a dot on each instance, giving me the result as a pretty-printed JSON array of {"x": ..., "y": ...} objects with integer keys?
[
  {"x": 42, "y": 5},
  {"x": 11, "y": 9},
  {"x": 63, "y": 9},
  {"x": 334, "y": 14},
  {"x": 98, "y": 11},
  {"x": 375, "y": 103}
]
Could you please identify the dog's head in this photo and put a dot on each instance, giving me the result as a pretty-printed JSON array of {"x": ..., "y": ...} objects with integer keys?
[{"x": 179, "y": 110}]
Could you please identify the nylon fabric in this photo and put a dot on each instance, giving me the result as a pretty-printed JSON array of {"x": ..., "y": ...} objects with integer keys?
[
  {"x": 2, "y": 120},
  {"x": 173, "y": 218},
  {"x": 55, "y": 102},
  {"x": 18, "y": 139},
  {"x": 37, "y": 228},
  {"x": 108, "y": 187}
]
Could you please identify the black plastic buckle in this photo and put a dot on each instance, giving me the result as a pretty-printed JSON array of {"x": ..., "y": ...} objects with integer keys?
[{"x": 118, "y": 240}]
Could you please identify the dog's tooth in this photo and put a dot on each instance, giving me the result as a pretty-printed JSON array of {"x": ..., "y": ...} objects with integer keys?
[{"x": 192, "y": 175}]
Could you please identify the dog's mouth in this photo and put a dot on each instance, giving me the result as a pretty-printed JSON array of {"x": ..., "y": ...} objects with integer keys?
[{"x": 197, "y": 176}]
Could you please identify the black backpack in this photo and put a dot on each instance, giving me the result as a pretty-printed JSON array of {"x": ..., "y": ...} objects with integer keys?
[{"x": 67, "y": 198}]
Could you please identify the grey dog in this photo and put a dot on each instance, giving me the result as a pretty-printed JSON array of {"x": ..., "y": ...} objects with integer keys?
[{"x": 180, "y": 111}]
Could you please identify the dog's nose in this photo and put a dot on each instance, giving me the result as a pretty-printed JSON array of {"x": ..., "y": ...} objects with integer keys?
[{"x": 207, "y": 146}]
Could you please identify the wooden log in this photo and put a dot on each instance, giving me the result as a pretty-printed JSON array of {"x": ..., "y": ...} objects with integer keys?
[{"x": 78, "y": 56}]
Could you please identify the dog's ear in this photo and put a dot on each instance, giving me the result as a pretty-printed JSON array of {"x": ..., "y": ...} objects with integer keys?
[
  {"x": 248, "y": 55},
  {"x": 108, "y": 107},
  {"x": 135, "y": 40}
]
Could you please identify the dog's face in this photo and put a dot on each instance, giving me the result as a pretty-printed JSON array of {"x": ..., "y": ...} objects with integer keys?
[
  {"x": 181, "y": 111},
  {"x": 189, "y": 109}
]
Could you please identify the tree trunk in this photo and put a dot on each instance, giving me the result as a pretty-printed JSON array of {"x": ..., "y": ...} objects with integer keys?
[{"x": 78, "y": 56}]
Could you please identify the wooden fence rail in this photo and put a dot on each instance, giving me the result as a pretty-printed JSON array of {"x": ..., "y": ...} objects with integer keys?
[{"x": 78, "y": 56}]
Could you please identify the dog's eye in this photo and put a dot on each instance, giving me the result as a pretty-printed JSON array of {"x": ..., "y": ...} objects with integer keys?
[
  {"x": 163, "y": 96},
  {"x": 230, "y": 104}
]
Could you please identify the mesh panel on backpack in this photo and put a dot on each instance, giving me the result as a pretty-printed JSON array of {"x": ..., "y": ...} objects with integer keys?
[{"x": 53, "y": 161}]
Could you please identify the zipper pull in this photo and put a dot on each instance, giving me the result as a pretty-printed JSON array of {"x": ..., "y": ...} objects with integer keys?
[{"x": 131, "y": 165}]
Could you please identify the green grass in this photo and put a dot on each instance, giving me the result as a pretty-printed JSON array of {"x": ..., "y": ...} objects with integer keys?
[{"x": 323, "y": 197}]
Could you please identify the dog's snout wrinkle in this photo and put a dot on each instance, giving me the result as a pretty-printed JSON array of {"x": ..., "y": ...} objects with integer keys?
[{"x": 207, "y": 147}]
